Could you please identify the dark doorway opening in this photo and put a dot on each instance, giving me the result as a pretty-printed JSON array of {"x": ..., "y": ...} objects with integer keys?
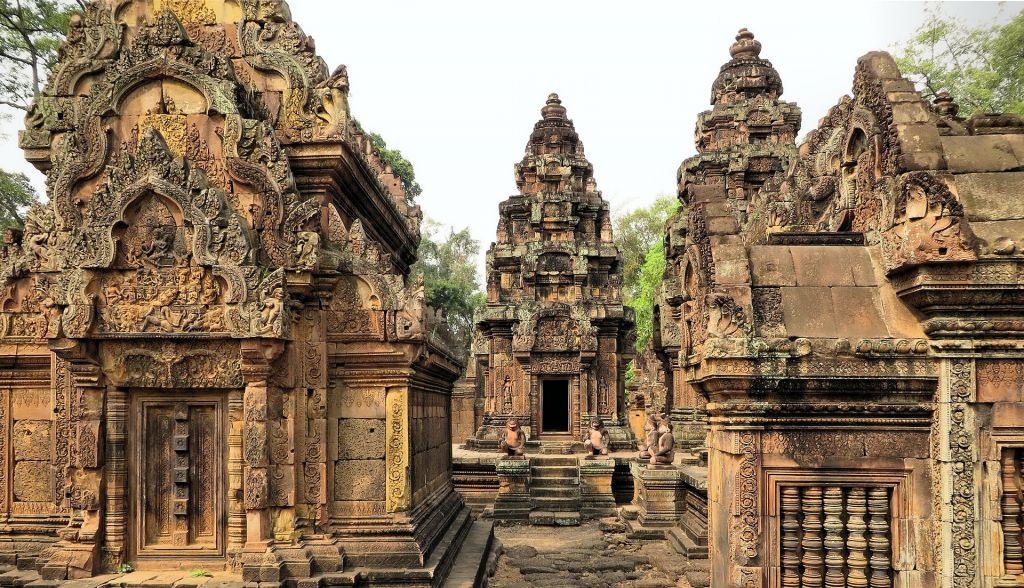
[{"x": 554, "y": 406}]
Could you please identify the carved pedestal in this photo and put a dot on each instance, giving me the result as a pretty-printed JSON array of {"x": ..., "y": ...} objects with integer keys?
[
  {"x": 513, "y": 501},
  {"x": 659, "y": 502},
  {"x": 596, "y": 498}
]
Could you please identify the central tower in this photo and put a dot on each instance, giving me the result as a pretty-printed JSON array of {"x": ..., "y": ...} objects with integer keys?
[{"x": 554, "y": 337}]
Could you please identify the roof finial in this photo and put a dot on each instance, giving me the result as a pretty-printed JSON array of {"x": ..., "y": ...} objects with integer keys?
[
  {"x": 944, "y": 104},
  {"x": 553, "y": 108},
  {"x": 745, "y": 45}
]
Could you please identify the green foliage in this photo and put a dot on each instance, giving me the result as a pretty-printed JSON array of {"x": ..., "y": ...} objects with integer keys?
[
  {"x": 982, "y": 67},
  {"x": 16, "y": 195},
  {"x": 125, "y": 568},
  {"x": 635, "y": 234},
  {"x": 31, "y": 32},
  {"x": 449, "y": 271},
  {"x": 640, "y": 237},
  {"x": 199, "y": 574},
  {"x": 400, "y": 165},
  {"x": 630, "y": 374},
  {"x": 648, "y": 283}
]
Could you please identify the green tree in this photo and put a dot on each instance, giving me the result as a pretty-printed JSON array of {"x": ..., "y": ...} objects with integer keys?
[
  {"x": 635, "y": 233},
  {"x": 982, "y": 67},
  {"x": 448, "y": 267},
  {"x": 16, "y": 195},
  {"x": 402, "y": 167},
  {"x": 648, "y": 282},
  {"x": 31, "y": 32}
]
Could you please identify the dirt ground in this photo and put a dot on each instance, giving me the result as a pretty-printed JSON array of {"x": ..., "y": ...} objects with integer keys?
[{"x": 594, "y": 554}]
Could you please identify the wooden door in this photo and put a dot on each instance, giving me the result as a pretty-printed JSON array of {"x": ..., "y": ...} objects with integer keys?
[{"x": 178, "y": 476}]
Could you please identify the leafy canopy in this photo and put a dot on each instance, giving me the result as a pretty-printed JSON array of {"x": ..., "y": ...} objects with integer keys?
[
  {"x": 640, "y": 237},
  {"x": 982, "y": 67},
  {"x": 635, "y": 233},
  {"x": 16, "y": 195},
  {"x": 648, "y": 283},
  {"x": 448, "y": 268},
  {"x": 31, "y": 32}
]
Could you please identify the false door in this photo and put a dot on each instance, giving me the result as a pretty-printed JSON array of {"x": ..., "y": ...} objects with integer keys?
[{"x": 179, "y": 476}]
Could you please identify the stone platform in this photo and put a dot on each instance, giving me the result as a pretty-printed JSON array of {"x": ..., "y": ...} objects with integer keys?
[{"x": 559, "y": 490}]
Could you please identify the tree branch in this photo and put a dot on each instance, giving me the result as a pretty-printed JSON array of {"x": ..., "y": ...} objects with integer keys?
[{"x": 14, "y": 105}]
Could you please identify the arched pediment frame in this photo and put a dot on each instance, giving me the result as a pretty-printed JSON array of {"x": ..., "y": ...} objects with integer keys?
[{"x": 219, "y": 236}]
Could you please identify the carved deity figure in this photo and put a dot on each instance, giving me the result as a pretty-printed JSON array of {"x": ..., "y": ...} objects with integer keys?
[
  {"x": 650, "y": 437},
  {"x": 506, "y": 394},
  {"x": 270, "y": 310},
  {"x": 664, "y": 453},
  {"x": 159, "y": 247},
  {"x": 596, "y": 439},
  {"x": 513, "y": 439},
  {"x": 307, "y": 248}
]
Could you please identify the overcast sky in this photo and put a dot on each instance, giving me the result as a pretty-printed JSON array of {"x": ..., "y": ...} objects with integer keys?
[{"x": 457, "y": 86}]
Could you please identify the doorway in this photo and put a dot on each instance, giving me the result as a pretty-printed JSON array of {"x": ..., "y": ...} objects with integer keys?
[
  {"x": 554, "y": 417},
  {"x": 177, "y": 475}
]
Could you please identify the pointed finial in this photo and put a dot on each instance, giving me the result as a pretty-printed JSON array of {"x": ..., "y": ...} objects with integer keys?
[
  {"x": 944, "y": 104},
  {"x": 745, "y": 45},
  {"x": 553, "y": 108}
]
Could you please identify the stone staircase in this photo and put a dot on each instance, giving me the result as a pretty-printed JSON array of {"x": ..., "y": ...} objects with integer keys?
[{"x": 554, "y": 490}]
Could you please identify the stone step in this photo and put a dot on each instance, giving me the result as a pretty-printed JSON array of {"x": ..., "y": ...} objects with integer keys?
[
  {"x": 555, "y": 504},
  {"x": 554, "y": 460},
  {"x": 554, "y": 483},
  {"x": 556, "y": 492},
  {"x": 554, "y": 471},
  {"x": 477, "y": 555},
  {"x": 555, "y": 518},
  {"x": 339, "y": 579}
]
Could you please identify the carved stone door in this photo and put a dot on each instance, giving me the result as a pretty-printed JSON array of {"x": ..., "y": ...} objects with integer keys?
[{"x": 179, "y": 448}]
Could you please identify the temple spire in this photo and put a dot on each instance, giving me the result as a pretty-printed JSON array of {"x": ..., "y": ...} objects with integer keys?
[
  {"x": 746, "y": 75},
  {"x": 745, "y": 45}
]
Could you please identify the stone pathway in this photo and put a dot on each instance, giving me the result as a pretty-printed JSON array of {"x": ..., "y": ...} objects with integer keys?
[
  {"x": 593, "y": 555},
  {"x": 179, "y": 579}
]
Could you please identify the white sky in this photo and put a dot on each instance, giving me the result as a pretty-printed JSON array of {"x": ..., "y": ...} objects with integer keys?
[{"x": 458, "y": 85}]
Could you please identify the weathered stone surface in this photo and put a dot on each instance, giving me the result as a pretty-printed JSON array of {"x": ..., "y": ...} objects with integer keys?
[
  {"x": 32, "y": 440},
  {"x": 985, "y": 195},
  {"x": 358, "y": 479},
  {"x": 361, "y": 439},
  {"x": 980, "y": 154},
  {"x": 33, "y": 481}
]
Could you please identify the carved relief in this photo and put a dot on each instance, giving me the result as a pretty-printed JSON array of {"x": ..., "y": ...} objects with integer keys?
[
  {"x": 960, "y": 378},
  {"x": 929, "y": 225},
  {"x": 397, "y": 455},
  {"x": 747, "y": 524}
]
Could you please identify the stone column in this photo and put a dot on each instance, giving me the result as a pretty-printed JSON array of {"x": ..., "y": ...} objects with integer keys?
[
  {"x": 236, "y": 476},
  {"x": 114, "y": 549},
  {"x": 77, "y": 554},
  {"x": 596, "y": 498},
  {"x": 257, "y": 368},
  {"x": 958, "y": 472},
  {"x": 513, "y": 500}
]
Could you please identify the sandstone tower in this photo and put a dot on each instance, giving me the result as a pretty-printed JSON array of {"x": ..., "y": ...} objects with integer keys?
[
  {"x": 555, "y": 336},
  {"x": 748, "y": 136},
  {"x": 210, "y": 355}
]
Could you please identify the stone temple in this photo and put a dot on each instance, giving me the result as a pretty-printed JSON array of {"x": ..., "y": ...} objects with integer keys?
[
  {"x": 554, "y": 338},
  {"x": 212, "y": 357}
]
